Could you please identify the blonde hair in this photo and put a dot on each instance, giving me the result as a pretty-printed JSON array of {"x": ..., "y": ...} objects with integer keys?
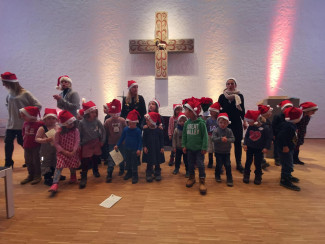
[
  {"x": 15, "y": 87},
  {"x": 128, "y": 98}
]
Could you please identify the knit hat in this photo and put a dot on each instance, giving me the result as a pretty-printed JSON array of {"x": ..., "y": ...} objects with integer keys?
[
  {"x": 50, "y": 112},
  {"x": 66, "y": 118},
  {"x": 153, "y": 117},
  {"x": 223, "y": 116},
  {"x": 133, "y": 116},
  {"x": 8, "y": 76},
  {"x": 252, "y": 116},
  {"x": 194, "y": 105},
  {"x": 175, "y": 106},
  {"x": 81, "y": 112},
  {"x": 132, "y": 83},
  {"x": 308, "y": 106},
  {"x": 88, "y": 107},
  {"x": 30, "y": 111},
  {"x": 215, "y": 107},
  {"x": 114, "y": 108},
  {"x": 156, "y": 101},
  {"x": 284, "y": 104},
  {"x": 181, "y": 115},
  {"x": 293, "y": 114},
  {"x": 264, "y": 108},
  {"x": 61, "y": 78}
]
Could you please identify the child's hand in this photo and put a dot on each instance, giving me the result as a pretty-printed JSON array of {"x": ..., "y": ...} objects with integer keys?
[
  {"x": 162, "y": 150},
  {"x": 170, "y": 138},
  {"x": 161, "y": 127},
  {"x": 145, "y": 150},
  {"x": 138, "y": 152},
  {"x": 264, "y": 150},
  {"x": 285, "y": 149},
  {"x": 184, "y": 150},
  {"x": 50, "y": 139},
  {"x": 145, "y": 126},
  {"x": 245, "y": 148},
  {"x": 203, "y": 152},
  {"x": 224, "y": 139},
  {"x": 116, "y": 148}
]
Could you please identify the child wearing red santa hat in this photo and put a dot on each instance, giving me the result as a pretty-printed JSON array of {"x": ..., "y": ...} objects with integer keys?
[
  {"x": 256, "y": 142},
  {"x": 132, "y": 138},
  {"x": 67, "y": 144},
  {"x": 92, "y": 138},
  {"x": 31, "y": 147},
  {"x": 195, "y": 142},
  {"x": 287, "y": 141},
  {"x": 114, "y": 127},
  {"x": 153, "y": 147},
  {"x": 17, "y": 98},
  {"x": 177, "y": 109},
  {"x": 308, "y": 109},
  {"x": 45, "y": 138}
]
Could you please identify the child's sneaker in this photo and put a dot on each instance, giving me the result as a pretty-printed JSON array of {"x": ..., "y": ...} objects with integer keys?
[
  {"x": 258, "y": 179},
  {"x": 36, "y": 180},
  {"x": 230, "y": 182},
  {"x": 285, "y": 182},
  {"x": 218, "y": 178},
  {"x": 158, "y": 177},
  {"x": 25, "y": 181},
  {"x": 135, "y": 179},
  {"x": 176, "y": 171},
  {"x": 54, "y": 188},
  {"x": 149, "y": 178}
]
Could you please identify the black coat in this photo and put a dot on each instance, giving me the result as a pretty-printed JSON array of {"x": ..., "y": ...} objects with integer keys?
[
  {"x": 153, "y": 139},
  {"x": 140, "y": 107}
]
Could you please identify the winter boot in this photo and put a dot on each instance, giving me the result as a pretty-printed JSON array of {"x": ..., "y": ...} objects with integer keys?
[
  {"x": 83, "y": 181},
  {"x": 258, "y": 179},
  {"x": 285, "y": 182},
  {"x": 246, "y": 177},
  {"x": 203, "y": 188},
  {"x": 230, "y": 181},
  {"x": 191, "y": 181}
]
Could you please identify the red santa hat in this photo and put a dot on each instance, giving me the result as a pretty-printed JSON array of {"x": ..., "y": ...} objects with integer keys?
[
  {"x": 156, "y": 101},
  {"x": 132, "y": 83},
  {"x": 133, "y": 116},
  {"x": 8, "y": 76},
  {"x": 61, "y": 78},
  {"x": 308, "y": 106},
  {"x": 284, "y": 104},
  {"x": 81, "y": 112},
  {"x": 194, "y": 105},
  {"x": 264, "y": 108},
  {"x": 215, "y": 107},
  {"x": 66, "y": 118},
  {"x": 114, "y": 108},
  {"x": 178, "y": 105},
  {"x": 252, "y": 116},
  {"x": 181, "y": 115},
  {"x": 88, "y": 107},
  {"x": 50, "y": 112},
  {"x": 224, "y": 116},
  {"x": 30, "y": 111},
  {"x": 293, "y": 114},
  {"x": 153, "y": 117}
]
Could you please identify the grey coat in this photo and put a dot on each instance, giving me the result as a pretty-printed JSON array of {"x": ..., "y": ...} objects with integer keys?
[
  {"x": 219, "y": 145},
  {"x": 70, "y": 102}
]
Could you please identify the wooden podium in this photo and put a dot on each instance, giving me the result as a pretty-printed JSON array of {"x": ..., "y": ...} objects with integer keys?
[{"x": 273, "y": 101}]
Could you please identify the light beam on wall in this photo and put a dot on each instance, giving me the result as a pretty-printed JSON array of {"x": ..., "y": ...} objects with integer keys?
[{"x": 280, "y": 43}]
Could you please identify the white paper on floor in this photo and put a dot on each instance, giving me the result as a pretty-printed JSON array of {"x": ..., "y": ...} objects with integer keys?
[{"x": 109, "y": 202}]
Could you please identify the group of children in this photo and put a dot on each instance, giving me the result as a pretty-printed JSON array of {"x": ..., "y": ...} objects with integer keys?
[{"x": 63, "y": 141}]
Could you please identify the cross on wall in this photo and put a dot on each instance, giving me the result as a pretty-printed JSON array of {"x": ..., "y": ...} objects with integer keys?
[{"x": 161, "y": 45}]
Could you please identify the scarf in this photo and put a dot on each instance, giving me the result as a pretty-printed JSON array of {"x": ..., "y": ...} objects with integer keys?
[{"x": 233, "y": 95}]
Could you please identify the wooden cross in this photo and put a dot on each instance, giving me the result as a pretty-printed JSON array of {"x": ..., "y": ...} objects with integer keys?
[{"x": 161, "y": 45}]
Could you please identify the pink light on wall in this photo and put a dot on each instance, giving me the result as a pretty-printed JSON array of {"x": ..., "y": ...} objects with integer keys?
[{"x": 281, "y": 34}]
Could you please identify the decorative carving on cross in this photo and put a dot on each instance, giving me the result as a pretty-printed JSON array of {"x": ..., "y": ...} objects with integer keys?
[{"x": 161, "y": 45}]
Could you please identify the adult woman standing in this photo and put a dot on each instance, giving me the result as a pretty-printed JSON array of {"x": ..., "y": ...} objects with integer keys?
[
  {"x": 17, "y": 98},
  {"x": 134, "y": 101},
  {"x": 232, "y": 103},
  {"x": 68, "y": 99}
]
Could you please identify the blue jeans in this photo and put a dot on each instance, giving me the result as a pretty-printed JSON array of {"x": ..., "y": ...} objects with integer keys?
[
  {"x": 195, "y": 159},
  {"x": 257, "y": 155},
  {"x": 223, "y": 159},
  {"x": 111, "y": 164},
  {"x": 286, "y": 160}
]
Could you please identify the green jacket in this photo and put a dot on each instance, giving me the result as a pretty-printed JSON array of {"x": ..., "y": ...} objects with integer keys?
[{"x": 195, "y": 135}]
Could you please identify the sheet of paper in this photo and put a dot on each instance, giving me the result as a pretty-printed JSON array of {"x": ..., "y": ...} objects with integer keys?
[
  {"x": 50, "y": 133},
  {"x": 109, "y": 202},
  {"x": 116, "y": 156}
]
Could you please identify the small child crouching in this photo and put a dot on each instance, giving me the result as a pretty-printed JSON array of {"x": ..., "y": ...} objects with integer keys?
[
  {"x": 177, "y": 145},
  {"x": 256, "y": 142},
  {"x": 222, "y": 137}
]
